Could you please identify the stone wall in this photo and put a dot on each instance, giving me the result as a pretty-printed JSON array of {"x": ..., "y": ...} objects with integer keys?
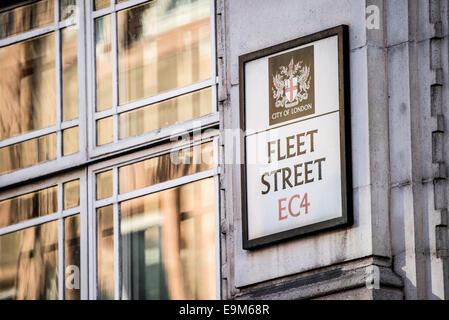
[{"x": 399, "y": 96}]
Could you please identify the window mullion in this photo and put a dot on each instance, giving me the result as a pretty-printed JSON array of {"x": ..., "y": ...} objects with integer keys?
[
  {"x": 115, "y": 100},
  {"x": 58, "y": 68},
  {"x": 60, "y": 242},
  {"x": 117, "y": 285}
]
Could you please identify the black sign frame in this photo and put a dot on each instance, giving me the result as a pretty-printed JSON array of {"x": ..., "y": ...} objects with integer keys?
[{"x": 346, "y": 220}]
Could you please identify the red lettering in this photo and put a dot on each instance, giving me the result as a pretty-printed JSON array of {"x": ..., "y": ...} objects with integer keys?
[
  {"x": 302, "y": 202},
  {"x": 296, "y": 196},
  {"x": 305, "y": 203},
  {"x": 281, "y": 208}
]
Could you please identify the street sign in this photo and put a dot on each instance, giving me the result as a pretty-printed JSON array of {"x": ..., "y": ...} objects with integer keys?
[{"x": 294, "y": 101}]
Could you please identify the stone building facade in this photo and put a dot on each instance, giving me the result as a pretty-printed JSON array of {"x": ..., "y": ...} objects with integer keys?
[
  {"x": 399, "y": 107},
  {"x": 145, "y": 227}
]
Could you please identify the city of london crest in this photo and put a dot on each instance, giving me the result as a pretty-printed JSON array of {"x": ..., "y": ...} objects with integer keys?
[{"x": 291, "y": 85}]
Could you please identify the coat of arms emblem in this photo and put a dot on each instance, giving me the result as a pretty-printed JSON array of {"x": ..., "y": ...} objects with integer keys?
[{"x": 291, "y": 85}]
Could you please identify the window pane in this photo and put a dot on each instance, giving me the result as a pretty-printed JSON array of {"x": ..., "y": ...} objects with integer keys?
[
  {"x": 28, "y": 153},
  {"x": 100, "y": 4},
  {"x": 168, "y": 244},
  {"x": 105, "y": 131},
  {"x": 28, "y": 206},
  {"x": 72, "y": 258},
  {"x": 166, "y": 113},
  {"x": 162, "y": 45},
  {"x": 166, "y": 167},
  {"x": 27, "y": 86},
  {"x": 26, "y": 18},
  {"x": 103, "y": 62},
  {"x": 71, "y": 194},
  {"x": 104, "y": 185},
  {"x": 105, "y": 253},
  {"x": 67, "y": 9},
  {"x": 29, "y": 263},
  {"x": 70, "y": 141},
  {"x": 69, "y": 73}
]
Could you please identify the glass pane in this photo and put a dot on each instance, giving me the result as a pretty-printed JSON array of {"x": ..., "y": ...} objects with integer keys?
[
  {"x": 27, "y": 153},
  {"x": 72, "y": 258},
  {"x": 162, "y": 45},
  {"x": 165, "y": 113},
  {"x": 69, "y": 73},
  {"x": 67, "y": 9},
  {"x": 103, "y": 62},
  {"x": 105, "y": 253},
  {"x": 104, "y": 185},
  {"x": 29, "y": 263},
  {"x": 166, "y": 167},
  {"x": 168, "y": 244},
  {"x": 71, "y": 194},
  {"x": 26, "y": 18},
  {"x": 70, "y": 141},
  {"x": 28, "y": 206},
  {"x": 100, "y": 4},
  {"x": 27, "y": 86},
  {"x": 105, "y": 131}
]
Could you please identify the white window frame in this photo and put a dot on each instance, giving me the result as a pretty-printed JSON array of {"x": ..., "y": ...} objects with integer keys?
[
  {"x": 61, "y": 162},
  {"x": 114, "y": 164},
  {"x": 59, "y": 216},
  {"x": 154, "y": 136}
]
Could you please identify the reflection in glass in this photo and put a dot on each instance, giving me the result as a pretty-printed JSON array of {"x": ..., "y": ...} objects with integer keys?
[
  {"x": 166, "y": 167},
  {"x": 70, "y": 141},
  {"x": 162, "y": 45},
  {"x": 67, "y": 9},
  {"x": 71, "y": 194},
  {"x": 72, "y": 258},
  {"x": 25, "y": 154},
  {"x": 100, "y": 4},
  {"x": 104, "y": 185},
  {"x": 29, "y": 263},
  {"x": 27, "y": 86},
  {"x": 186, "y": 107},
  {"x": 105, "y": 253},
  {"x": 105, "y": 131},
  {"x": 103, "y": 62},
  {"x": 168, "y": 246},
  {"x": 26, "y": 18},
  {"x": 28, "y": 206},
  {"x": 69, "y": 73}
]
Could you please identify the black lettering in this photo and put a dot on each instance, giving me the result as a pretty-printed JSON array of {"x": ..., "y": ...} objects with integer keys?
[
  {"x": 312, "y": 142},
  {"x": 276, "y": 179},
  {"x": 265, "y": 183},
  {"x": 279, "y": 151},
  {"x": 308, "y": 172},
  {"x": 286, "y": 179},
  {"x": 319, "y": 161},
  {"x": 300, "y": 144},
  {"x": 270, "y": 151},
  {"x": 298, "y": 174},
  {"x": 290, "y": 146}
]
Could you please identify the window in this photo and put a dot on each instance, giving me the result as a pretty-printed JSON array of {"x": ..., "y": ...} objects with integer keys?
[
  {"x": 95, "y": 98},
  {"x": 40, "y": 116},
  {"x": 41, "y": 250},
  {"x": 153, "y": 68},
  {"x": 154, "y": 226}
]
